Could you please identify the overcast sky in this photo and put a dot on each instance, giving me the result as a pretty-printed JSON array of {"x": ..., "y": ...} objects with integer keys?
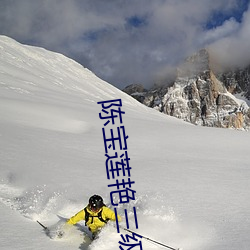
[{"x": 131, "y": 41}]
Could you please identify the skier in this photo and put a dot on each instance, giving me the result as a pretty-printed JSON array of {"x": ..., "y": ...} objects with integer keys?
[{"x": 95, "y": 214}]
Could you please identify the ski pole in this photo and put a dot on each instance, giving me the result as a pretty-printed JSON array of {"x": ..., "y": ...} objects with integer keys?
[
  {"x": 146, "y": 238},
  {"x": 45, "y": 228}
]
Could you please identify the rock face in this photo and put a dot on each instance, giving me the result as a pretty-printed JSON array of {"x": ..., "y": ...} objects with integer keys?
[
  {"x": 137, "y": 91},
  {"x": 201, "y": 97},
  {"x": 237, "y": 81}
]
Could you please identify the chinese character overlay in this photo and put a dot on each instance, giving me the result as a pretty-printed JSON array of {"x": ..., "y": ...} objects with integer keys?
[
  {"x": 118, "y": 166},
  {"x": 126, "y": 243}
]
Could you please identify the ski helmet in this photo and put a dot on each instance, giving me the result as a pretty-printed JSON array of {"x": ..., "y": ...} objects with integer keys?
[{"x": 95, "y": 202}]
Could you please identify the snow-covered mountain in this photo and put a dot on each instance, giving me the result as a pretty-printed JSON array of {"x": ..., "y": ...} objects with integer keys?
[
  {"x": 192, "y": 183},
  {"x": 201, "y": 95}
]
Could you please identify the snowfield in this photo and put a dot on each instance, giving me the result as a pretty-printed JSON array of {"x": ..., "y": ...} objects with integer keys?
[{"x": 192, "y": 183}]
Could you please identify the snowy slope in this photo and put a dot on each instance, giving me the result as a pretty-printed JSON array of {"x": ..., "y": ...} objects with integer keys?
[{"x": 192, "y": 183}]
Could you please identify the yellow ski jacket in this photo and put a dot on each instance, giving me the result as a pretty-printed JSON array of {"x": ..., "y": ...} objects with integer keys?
[{"x": 94, "y": 223}]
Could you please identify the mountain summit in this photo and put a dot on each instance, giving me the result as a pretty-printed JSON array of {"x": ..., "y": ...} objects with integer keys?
[{"x": 202, "y": 97}]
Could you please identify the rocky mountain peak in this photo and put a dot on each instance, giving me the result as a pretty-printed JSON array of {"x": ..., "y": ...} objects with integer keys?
[
  {"x": 196, "y": 64},
  {"x": 200, "y": 96}
]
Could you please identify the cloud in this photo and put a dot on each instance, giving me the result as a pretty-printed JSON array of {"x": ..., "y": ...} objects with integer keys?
[
  {"x": 233, "y": 49},
  {"x": 123, "y": 42},
  {"x": 228, "y": 28}
]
